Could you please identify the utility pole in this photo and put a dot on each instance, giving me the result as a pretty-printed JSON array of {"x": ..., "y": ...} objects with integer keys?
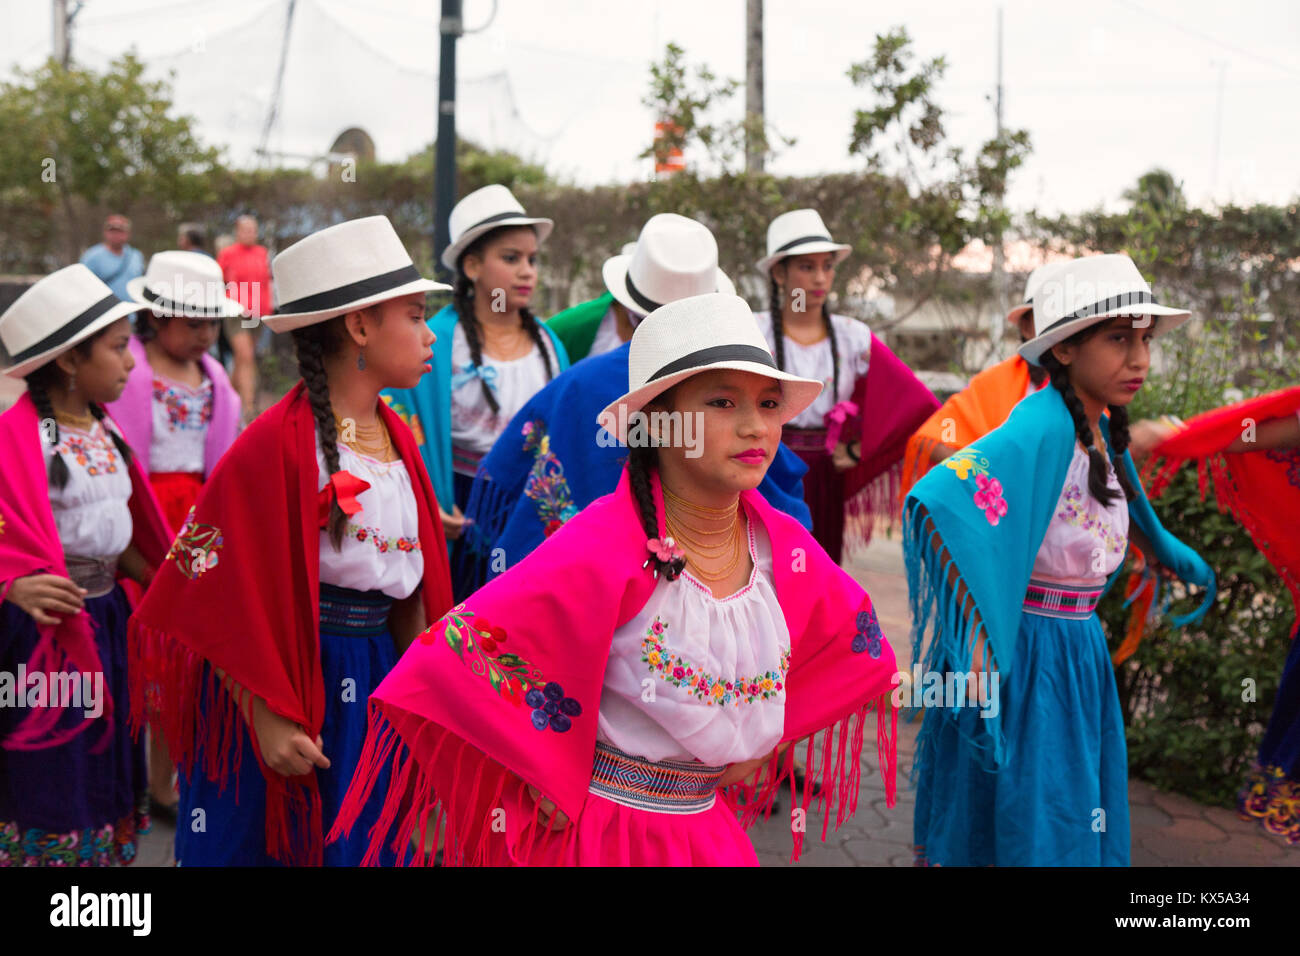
[
  {"x": 999, "y": 261},
  {"x": 62, "y": 19},
  {"x": 754, "y": 86},
  {"x": 274, "y": 111},
  {"x": 450, "y": 28}
]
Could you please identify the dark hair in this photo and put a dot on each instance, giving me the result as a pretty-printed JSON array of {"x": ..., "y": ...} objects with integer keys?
[
  {"x": 313, "y": 344},
  {"x": 145, "y": 329},
  {"x": 39, "y": 384},
  {"x": 775, "y": 309},
  {"x": 641, "y": 461},
  {"x": 195, "y": 234},
  {"x": 1119, "y": 437},
  {"x": 463, "y": 300}
]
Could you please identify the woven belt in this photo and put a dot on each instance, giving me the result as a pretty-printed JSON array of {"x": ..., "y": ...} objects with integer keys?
[
  {"x": 804, "y": 439},
  {"x": 1066, "y": 601},
  {"x": 96, "y": 575},
  {"x": 359, "y": 613},
  {"x": 465, "y": 461},
  {"x": 670, "y": 786}
]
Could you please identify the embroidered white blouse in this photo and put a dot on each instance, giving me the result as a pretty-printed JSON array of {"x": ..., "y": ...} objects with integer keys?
[
  {"x": 1085, "y": 542},
  {"x": 474, "y": 427},
  {"x": 852, "y": 341},
  {"x": 381, "y": 546},
  {"x": 92, "y": 512},
  {"x": 694, "y": 677},
  {"x": 181, "y": 415}
]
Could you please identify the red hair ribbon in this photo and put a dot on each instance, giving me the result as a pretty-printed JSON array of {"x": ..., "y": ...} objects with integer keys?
[{"x": 342, "y": 487}]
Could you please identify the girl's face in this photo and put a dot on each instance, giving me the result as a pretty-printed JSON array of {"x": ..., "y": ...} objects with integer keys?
[
  {"x": 813, "y": 274},
  {"x": 396, "y": 339},
  {"x": 1109, "y": 366},
  {"x": 504, "y": 270},
  {"x": 185, "y": 340},
  {"x": 101, "y": 375},
  {"x": 731, "y": 423}
]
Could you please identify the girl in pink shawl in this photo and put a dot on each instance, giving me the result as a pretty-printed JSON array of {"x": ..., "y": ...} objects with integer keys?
[
  {"x": 178, "y": 410},
  {"x": 630, "y": 692}
]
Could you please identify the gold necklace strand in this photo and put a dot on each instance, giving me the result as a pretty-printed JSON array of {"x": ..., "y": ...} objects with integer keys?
[
  {"x": 697, "y": 535},
  {"x": 707, "y": 549},
  {"x": 716, "y": 575},
  {"x": 699, "y": 510},
  {"x": 374, "y": 442},
  {"x": 84, "y": 422}
]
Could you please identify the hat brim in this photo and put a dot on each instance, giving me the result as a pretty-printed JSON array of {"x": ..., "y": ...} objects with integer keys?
[
  {"x": 288, "y": 321},
  {"x": 1165, "y": 319},
  {"x": 798, "y": 392},
  {"x": 614, "y": 272},
  {"x": 135, "y": 289},
  {"x": 543, "y": 228},
  {"x": 806, "y": 249},
  {"x": 118, "y": 311},
  {"x": 1018, "y": 312}
]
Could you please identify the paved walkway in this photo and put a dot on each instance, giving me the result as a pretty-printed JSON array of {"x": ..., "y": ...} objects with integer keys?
[{"x": 1167, "y": 829}]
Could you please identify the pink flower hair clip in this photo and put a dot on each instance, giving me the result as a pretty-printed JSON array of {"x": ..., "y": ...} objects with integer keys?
[{"x": 666, "y": 552}]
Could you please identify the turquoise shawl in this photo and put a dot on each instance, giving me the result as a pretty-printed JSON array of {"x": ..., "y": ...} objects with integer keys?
[{"x": 1014, "y": 474}]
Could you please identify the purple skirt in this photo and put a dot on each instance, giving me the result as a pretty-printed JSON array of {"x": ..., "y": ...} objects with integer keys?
[
  {"x": 823, "y": 488},
  {"x": 66, "y": 806}
]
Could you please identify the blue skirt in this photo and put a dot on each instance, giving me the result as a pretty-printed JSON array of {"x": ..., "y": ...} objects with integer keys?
[
  {"x": 1061, "y": 796},
  {"x": 67, "y": 806},
  {"x": 224, "y": 823}
]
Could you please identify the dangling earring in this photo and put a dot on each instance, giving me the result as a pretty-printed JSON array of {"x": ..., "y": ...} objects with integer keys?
[
  {"x": 72, "y": 382},
  {"x": 361, "y": 359}
]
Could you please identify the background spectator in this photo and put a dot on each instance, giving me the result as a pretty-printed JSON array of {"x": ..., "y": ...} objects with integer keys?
[
  {"x": 115, "y": 260},
  {"x": 246, "y": 268}
]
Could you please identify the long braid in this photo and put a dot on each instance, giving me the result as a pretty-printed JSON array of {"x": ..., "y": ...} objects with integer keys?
[
  {"x": 1119, "y": 439},
  {"x": 1097, "y": 468},
  {"x": 835, "y": 353},
  {"x": 311, "y": 344},
  {"x": 463, "y": 298},
  {"x": 119, "y": 442},
  {"x": 641, "y": 460},
  {"x": 37, "y": 387},
  {"x": 534, "y": 328},
  {"x": 778, "y": 321}
]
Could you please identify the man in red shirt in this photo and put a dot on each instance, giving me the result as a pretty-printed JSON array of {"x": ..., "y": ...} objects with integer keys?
[{"x": 246, "y": 268}]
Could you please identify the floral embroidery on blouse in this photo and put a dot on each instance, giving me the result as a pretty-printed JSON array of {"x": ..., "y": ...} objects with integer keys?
[
  {"x": 1074, "y": 511},
  {"x": 187, "y": 409},
  {"x": 195, "y": 548},
  {"x": 513, "y": 678},
  {"x": 869, "y": 637},
  {"x": 382, "y": 543},
  {"x": 712, "y": 690},
  {"x": 95, "y": 453},
  {"x": 546, "y": 484}
]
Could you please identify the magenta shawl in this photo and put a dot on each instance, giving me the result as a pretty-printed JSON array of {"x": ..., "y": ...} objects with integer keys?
[
  {"x": 29, "y": 544},
  {"x": 455, "y": 701},
  {"x": 134, "y": 410}
]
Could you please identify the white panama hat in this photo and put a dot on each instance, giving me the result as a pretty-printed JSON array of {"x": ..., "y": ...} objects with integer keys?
[
  {"x": 341, "y": 269},
  {"x": 64, "y": 308},
  {"x": 187, "y": 284},
  {"x": 482, "y": 211},
  {"x": 694, "y": 335},
  {"x": 1087, "y": 291},
  {"x": 673, "y": 258},
  {"x": 800, "y": 232},
  {"x": 1032, "y": 285}
]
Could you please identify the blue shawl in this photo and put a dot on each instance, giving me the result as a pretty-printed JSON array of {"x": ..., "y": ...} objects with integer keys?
[
  {"x": 550, "y": 463},
  {"x": 1029, "y": 456},
  {"x": 427, "y": 407}
]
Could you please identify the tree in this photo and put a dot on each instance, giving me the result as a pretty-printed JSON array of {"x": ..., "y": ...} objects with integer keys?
[{"x": 76, "y": 139}]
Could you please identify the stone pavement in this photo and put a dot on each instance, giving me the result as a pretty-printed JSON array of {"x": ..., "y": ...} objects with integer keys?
[{"x": 1167, "y": 829}]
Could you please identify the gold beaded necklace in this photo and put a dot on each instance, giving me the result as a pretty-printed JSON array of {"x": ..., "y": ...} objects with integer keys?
[
  {"x": 373, "y": 441},
  {"x": 692, "y": 536},
  {"x": 83, "y": 422}
]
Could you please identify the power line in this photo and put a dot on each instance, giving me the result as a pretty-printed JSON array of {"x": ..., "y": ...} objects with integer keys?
[{"x": 1268, "y": 61}]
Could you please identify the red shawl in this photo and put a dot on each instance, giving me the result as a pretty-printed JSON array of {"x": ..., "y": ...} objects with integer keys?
[
  {"x": 240, "y": 591},
  {"x": 893, "y": 403},
  {"x": 29, "y": 544},
  {"x": 1260, "y": 488}
]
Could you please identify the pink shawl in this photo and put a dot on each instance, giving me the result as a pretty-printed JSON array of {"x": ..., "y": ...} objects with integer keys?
[
  {"x": 29, "y": 544},
  {"x": 134, "y": 410},
  {"x": 456, "y": 700}
]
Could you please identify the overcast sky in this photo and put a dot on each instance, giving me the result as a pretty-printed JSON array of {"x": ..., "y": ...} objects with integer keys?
[{"x": 1105, "y": 95}]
